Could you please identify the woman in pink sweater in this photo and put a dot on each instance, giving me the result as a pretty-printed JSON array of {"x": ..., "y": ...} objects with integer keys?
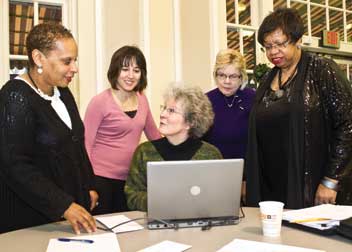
[{"x": 114, "y": 122}]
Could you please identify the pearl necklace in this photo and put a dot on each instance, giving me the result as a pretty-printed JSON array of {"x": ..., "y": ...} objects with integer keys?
[{"x": 39, "y": 91}]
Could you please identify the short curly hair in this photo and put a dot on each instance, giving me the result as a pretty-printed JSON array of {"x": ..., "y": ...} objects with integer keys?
[
  {"x": 43, "y": 37},
  {"x": 286, "y": 19},
  {"x": 197, "y": 108},
  {"x": 124, "y": 57},
  {"x": 231, "y": 57}
]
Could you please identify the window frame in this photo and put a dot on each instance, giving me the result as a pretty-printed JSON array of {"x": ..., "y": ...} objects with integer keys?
[
  {"x": 242, "y": 29},
  {"x": 327, "y": 8},
  {"x": 68, "y": 19}
]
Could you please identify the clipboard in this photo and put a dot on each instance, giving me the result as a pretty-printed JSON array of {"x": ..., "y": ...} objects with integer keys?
[
  {"x": 345, "y": 228},
  {"x": 325, "y": 232},
  {"x": 321, "y": 219}
]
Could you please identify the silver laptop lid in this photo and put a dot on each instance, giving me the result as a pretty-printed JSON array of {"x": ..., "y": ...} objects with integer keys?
[{"x": 194, "y": 189}]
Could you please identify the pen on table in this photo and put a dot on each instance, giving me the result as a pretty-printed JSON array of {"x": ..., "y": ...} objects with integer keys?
[
  {"x": 309, "y": 220},
  {"x": 75, "y": 240}
]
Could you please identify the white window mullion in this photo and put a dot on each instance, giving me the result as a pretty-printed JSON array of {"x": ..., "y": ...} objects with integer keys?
[
  {"x": 309, "y": 25},
  {"x": 241, "y": 40},
  {"x": 237, "y": 20},
  {"x": 327, "y": 18},
  {"x": 344, "y": 23},
  {"x": 35, "y": 13}
]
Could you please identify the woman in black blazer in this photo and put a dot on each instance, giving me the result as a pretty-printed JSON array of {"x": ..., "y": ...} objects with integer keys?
[{"x": 45, "y": 173}]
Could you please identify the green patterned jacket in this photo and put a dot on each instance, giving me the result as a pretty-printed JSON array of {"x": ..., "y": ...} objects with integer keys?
[{"x": 136, "y": 183}]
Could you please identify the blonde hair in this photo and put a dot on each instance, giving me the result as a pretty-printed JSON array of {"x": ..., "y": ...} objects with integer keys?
[
  {"x": 197, "y": 108},
  {"x": 231, "y": 57}
]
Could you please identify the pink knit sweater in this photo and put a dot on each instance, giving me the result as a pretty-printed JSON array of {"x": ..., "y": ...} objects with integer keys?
[{"x": 111, "y": 136}]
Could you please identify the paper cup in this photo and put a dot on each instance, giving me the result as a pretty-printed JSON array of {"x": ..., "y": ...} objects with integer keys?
[{"x": 271, "y": 216}]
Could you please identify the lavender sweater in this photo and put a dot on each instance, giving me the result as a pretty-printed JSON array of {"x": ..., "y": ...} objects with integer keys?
[
  {"x": 111, "y": 136},
  {"x": 230, "y": 128}
]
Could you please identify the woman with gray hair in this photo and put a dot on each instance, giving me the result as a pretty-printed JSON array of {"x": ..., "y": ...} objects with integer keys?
[{"x": 185, "y": 116}]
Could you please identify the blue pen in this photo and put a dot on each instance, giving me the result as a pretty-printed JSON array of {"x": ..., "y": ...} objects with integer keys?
[{"x": 74, "y": 240}]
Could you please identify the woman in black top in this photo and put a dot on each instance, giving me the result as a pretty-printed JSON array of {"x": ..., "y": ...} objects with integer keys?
[
  {"x": 300, "y": 130},
  {"x": 45, "y": 173}
]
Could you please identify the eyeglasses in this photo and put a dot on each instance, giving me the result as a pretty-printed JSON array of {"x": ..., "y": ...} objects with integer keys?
[
  {"x": 169, "y": 111},
  {"x": 278, "y": 46},
  {"x": 232, "y": 77}
]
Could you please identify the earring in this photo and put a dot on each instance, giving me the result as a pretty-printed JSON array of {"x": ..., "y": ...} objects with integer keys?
[
  {"x": 298, "y": 46},
  {"x": 40, "y": 70}
]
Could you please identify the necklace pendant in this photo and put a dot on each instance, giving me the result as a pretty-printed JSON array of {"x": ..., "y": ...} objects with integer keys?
[
  {"x": 279, "y": 93},
  {"x": 229, "y": 105}
]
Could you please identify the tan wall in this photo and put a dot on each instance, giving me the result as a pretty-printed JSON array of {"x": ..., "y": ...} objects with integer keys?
[
  {"x": 196, "y": 42},
  {"x": 153, "y": 30},
  {"x": 120, "y": 27},
  {"x": 161, "y": 52},
  {"x": 203, "y": 34},
  {"x": 86, "y": 52}
]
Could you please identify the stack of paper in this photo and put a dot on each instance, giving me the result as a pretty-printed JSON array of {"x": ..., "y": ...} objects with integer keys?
[
  {"x": 111, "y": 221},
  {"x": 320, "y": 217}
]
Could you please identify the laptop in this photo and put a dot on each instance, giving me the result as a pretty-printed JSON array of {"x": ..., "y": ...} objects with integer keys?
[{"x": 195, "y": 193}]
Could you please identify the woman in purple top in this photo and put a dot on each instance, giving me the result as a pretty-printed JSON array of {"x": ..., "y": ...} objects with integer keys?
[
  {"x": 114, "y": 122},
  {"x": 231, "y": 102}
]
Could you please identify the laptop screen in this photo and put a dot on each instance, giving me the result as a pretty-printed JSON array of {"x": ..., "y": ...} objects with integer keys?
[{"x": 194, "y": 189}]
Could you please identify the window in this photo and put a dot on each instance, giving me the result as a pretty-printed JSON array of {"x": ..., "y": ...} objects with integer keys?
[
  {"x": 23, "y": 15},
  {"x": 241, "y": 35},
  {"x": 318, "y": 15}
]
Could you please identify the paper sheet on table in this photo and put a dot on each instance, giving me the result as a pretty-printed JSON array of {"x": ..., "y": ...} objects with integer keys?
[
  {"x": 250, "y": 246},
  {"x": 328, "y": 211},
  {"x": 168, "y": 246},
  {"x": 310, "y": 216},
  {"x": 102, "y": 242},
  {"x": 110, "y": 221}
]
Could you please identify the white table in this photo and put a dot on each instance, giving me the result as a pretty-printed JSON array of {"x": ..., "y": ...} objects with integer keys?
[{"x": 36, "y": 239}]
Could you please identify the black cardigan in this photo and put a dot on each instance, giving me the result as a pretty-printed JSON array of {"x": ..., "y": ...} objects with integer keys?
[
  {"x": 320, "y": 133},
  {"x": 44, "y": 166}
]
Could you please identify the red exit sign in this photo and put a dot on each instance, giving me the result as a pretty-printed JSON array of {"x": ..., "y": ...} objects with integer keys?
[{"x": 331, "y": 39}]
